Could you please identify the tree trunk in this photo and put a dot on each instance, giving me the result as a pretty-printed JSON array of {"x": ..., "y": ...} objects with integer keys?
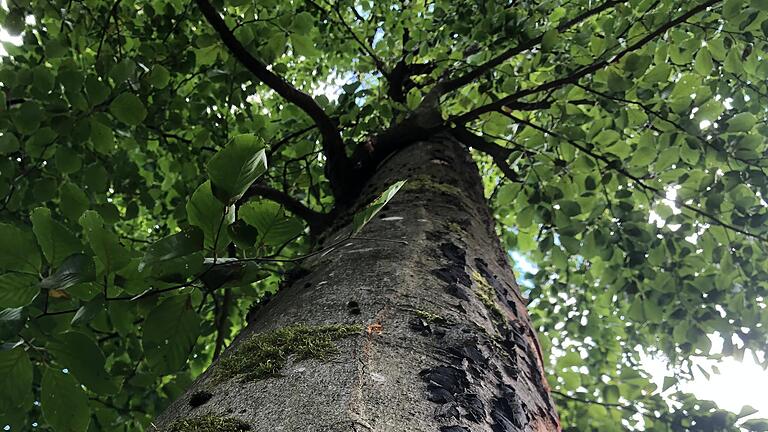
[{"x": 444, "y": 340}]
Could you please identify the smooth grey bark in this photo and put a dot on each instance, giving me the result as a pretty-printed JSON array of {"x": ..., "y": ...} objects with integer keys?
[{"x": 456, "y": 350}]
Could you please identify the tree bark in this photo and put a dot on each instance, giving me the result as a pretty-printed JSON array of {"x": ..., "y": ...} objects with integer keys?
[{"x": 446, "y": 342}]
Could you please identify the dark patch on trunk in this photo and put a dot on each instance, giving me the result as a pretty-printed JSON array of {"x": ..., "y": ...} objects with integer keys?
[
  {"x": 451, "y": 385},
  {"x": 449, "y": 378},
  {"x": 353, "y": 307},
  {"x": 199, "y": 398},
  {"x": 474, "y": 407},
  {"x": 455, "y": 275},
  {"x": 453, "y": 253},
  {"x": 420, "y": 325},
  {"x": 447, "y": 411},
  {"x": 453, "y": 429},
  {"x": 508, "y": 413}
]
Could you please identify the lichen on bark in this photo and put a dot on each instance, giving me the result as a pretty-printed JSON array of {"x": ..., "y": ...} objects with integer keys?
[
  {"x": 209, "y": 423},
  {"x": 263, "y": 355}
]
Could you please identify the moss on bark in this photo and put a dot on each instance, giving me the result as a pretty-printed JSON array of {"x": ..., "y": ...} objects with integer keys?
[
  {"x": 209, "y": 423},
  {"x": 265, "y": 354}
]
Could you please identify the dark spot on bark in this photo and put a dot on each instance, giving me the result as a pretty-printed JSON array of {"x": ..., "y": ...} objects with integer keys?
[
  {"x": 353, "y": 307},
  {"x": 437, "y": 394},
  {"x": 199, "y": 398},
  {"x": 453, "y": 429},
  {"x": 294, "y": 275},
  {"x": 453, "y": 253},
  {"x": 420, "y": 325},
  {"x": 471, "y": 353},
  {"x": 454, "y": 289},
  {"x": 508, "y": 413},
  {"x": 256, "y": 307},
  {"x": 435, "y": 236},
  {"x": 452, "y": 379},
  {"x": 474, "y": 407},
  {"x": 455, "y": 274},
  {"x": 307, "y": 285},
  {"x": 382, "y": 215},
  {"x": 447, "y": 411}
]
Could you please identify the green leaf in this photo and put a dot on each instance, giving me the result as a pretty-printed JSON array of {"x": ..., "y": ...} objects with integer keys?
[
  {"x": 12, "y": 320},
  {"x": 54, "y": 238},
  {"x": 208, "y": 213},
  {"x": 302, "y": 23},
  {"x": 570, "y": 208},
  {"x": 88, "y": 311},
  {"x": 365, "y": 215},
  {"x": 67, "y": 161},
  {"x": 97, "y": 91},
  {"x": 756, "y": 425},
  {"x": 170, "y": 332},
  {"x": 571, "y": 380},
  {"x": 234, "y": 168},
  {"x": 159, "y": 77},
  {"x": 73, "y": 201},
  {"x": 206, "y": 56},
  {"x": 16, "y": 386},
  {"x": 105, "y": 245},
  {"x": 303, "y": 45},
  {"x": 178, "y": 245},
  {"x": 128, "y": 109},
  {"x": 27, "y": 117},
  {"x": 761, "y": 5},
  {"x": 75, "y": 269},
  {"x": 731, "y": 8},
  {"x": 8, "y": 143},
  {"x": 746, "y": 410},
  {"x": 732, "y": 63},
  {"x": 703, "y": 63},
  {"x": 273, "y": 226},
  {"x": 549, "y": 40},
  {"x": 741, "y": 122},
  {"x": 18, "y": 289},
  {"x": 64, "y": 403},
  {"x": 668, "y": 382},
  {"x": 79, "y": 354},
  {"x": 652, "y": 311},
  {"x": 102, "y": 137},
  {"x": 18, "y": 250}
]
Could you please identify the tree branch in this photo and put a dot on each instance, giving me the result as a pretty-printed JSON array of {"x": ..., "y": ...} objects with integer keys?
[
  {"x": 498, "y": 153},
  {"x": 338, "y": 166},
  {"x": 594, "y": 67},
  {"x": 316, "y": 220},
  {"x": 286, "y": 139}
]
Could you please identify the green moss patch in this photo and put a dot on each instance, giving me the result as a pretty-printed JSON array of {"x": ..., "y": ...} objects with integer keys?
[
  {"x": 209, "y": 423},
  {"x": 430, "y": 317},
  {"x": 425, "y": 182},
  {"x": 487, "y": 295},
  {"x": 265, "y": 354}
]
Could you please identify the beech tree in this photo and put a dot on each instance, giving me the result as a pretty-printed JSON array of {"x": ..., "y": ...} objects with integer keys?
[{"x": 225, "y": 215}]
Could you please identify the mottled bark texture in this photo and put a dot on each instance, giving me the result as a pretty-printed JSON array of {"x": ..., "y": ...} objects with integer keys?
[{"x": 446, "y": 343}]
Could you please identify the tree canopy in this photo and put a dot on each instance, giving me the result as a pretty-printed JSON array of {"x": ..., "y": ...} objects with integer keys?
[{"x": 622, "y": 144}]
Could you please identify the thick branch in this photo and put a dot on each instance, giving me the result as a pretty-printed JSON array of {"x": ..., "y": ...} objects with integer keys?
[
  {"x": 315, "y": 219},
  {"x": 472, "y": 75},
  {"x": 498, "y": 153},
  {"x": 594, "y": 67},
  {"x": 337, "y": 164}
]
